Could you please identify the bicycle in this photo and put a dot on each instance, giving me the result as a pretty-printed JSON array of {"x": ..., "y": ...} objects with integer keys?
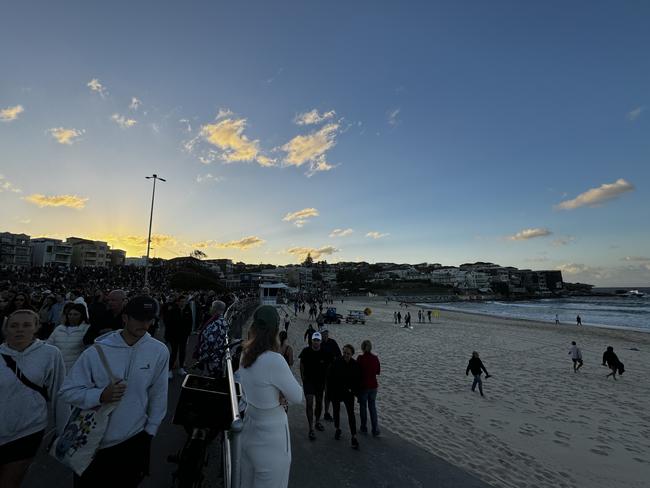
[{"x": 208, "y": 407}]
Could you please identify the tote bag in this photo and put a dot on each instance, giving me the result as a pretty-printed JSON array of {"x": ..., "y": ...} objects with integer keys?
[{"x": 77, "y": 445}]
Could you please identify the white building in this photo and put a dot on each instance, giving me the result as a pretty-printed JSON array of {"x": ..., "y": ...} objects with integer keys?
[{"x": 47, "y": 251}]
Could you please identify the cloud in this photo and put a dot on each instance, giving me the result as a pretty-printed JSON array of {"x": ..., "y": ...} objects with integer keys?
[
  {"x": 227, "y": 134},
  {"x": 632, "y": 115},
  {"x": 640, "y": 259},
  {"x": 97, "y": 87},
  {"x": 312, "y": 149},
  {"x": 563, "y": 241},
  {"x": 597, "y": 196},
  {"x": 301, "y": 217},
  {"x": 526, "y": 234},
  {"x": 376, "y": 235},
  {"x": 573, "y": 268},
  {"x": 141, "y": 241},
  {"x": 188, "y": 126},
  {"x": 316, "y": 253},
  {"x": 11, "y": 113},
  {"x": 313, "y": 117},
  {"x": 242, "y": 244},
  {"x": 224, "y": 112},
  {"x": 71, "y": 201},
  {"x": 341, "y": 232},
  {"x": 6, "y": 185},
  {"x": 208, "y": 178},
  {"x": 123, "y": 121},
  {"x": 135, "y": 103},
  {"x": 392, "y": 117},
  {"x": 65, "y": 136}
]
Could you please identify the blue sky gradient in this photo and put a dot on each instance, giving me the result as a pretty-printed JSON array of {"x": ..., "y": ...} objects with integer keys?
[{"x": 458, "y": 124}]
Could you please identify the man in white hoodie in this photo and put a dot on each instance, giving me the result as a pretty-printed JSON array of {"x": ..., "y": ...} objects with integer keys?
[{"x": 140, "y": 363}]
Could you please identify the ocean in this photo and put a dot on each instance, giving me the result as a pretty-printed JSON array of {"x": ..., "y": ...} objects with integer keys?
[{"x": 614, "y": 312}]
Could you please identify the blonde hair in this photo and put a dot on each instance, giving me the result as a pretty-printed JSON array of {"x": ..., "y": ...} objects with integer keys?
[{"x": 22, "y": 311}]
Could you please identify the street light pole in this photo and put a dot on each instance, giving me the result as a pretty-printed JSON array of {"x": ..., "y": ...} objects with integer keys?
[{"x": 154, "y": 177}]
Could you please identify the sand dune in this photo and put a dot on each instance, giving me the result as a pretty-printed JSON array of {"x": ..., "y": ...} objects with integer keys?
[{"x": 539, "y": 425}]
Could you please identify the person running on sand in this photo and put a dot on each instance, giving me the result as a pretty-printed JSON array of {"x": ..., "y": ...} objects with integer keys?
[
  {"x": 475, "y": 365},
  {"x": 611, "y": 360},
  {"x": 576, "y": 356}
]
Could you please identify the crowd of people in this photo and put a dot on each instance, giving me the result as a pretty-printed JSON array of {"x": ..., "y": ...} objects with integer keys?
[{"x": 80, "y": 342}]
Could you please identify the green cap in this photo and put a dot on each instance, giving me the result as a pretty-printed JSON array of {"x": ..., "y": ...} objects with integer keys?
[{"x": 266, "y": 315}]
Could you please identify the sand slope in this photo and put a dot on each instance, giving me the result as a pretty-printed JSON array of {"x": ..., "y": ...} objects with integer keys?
[{"x": 540, "y": 425}]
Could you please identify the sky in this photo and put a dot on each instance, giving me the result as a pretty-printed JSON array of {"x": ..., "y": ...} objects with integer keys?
[{"x": 385, "y": 131}]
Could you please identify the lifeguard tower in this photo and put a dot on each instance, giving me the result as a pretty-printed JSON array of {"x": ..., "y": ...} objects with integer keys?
[{"x": 269, "y": 293}]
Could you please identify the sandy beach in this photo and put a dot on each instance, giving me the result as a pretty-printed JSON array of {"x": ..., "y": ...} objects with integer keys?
[{"x": 539, "y": 425}]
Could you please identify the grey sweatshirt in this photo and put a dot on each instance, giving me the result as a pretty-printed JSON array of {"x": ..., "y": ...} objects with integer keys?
[
  {"x": 143, "y": 367},
  {"x": 23, "y": 411}
]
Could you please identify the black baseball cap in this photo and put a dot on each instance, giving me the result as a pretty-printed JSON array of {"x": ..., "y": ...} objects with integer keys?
[{"x": 142, "y": 308}]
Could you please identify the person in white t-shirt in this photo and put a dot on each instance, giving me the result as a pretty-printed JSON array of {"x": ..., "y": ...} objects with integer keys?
[{"x": 576, "y": 356}]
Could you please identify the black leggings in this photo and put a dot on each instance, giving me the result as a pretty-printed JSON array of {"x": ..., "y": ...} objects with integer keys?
[
  {"x": 348, "y": 401},
  {"x": 124, "y": 465},
  {"x": 178, "y": 349}
]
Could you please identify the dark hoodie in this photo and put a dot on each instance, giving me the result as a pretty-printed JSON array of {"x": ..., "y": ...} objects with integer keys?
[
  {"x": 343, "y": 378},
  {"x": 475, "y": 365}
]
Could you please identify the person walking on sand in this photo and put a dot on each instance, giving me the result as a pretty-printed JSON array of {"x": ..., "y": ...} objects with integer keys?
[
  {"x": 610, "y": 359},
  {"x": 287, "y": 322},
  {"x": 557, "y": 320},
  {"x": 578, "y": 320},
  {"x": 429, "y": 315},
  {"x": 395, "y": 316},
  {"x": 576, "y": 356},
  {"x": 476, "y": 366},
  {"x": 399, "y": 317}
]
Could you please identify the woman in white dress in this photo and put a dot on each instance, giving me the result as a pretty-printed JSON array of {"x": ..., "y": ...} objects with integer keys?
[{"x": 265, "y": 377}]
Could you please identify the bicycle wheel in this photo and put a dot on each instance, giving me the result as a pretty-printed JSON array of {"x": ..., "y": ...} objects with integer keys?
[{"x": 226, "y": 467}]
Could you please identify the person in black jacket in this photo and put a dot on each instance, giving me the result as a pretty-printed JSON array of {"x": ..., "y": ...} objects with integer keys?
[
  {"x": 611, "y": 360},
  {"x": 178, "y": 327},
  {"x": 343, "y": 384},
  {"x": 475, "y": 365}
]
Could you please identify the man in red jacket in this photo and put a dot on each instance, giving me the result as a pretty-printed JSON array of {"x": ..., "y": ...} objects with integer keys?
[{"x": 370, "y": 369}]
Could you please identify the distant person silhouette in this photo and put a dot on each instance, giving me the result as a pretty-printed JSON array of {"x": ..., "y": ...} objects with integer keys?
[{"x": 578, "y": 320}]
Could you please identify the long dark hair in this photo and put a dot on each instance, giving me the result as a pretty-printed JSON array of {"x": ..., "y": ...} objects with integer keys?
[
  {"x": 262, "y": 337},
  {"x": 79, "y": 308}
]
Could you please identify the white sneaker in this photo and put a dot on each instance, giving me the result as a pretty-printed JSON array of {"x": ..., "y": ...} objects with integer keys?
[
  {"x": 181, "y": 372},
  {"x": 170, "y": 375}
]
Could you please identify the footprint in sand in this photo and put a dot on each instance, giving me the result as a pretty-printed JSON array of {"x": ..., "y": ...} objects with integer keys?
[
  {"x": 562, "y": 435},
  {"x": 599, "y": 452},
  {"x": 530, "y": 430}
]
